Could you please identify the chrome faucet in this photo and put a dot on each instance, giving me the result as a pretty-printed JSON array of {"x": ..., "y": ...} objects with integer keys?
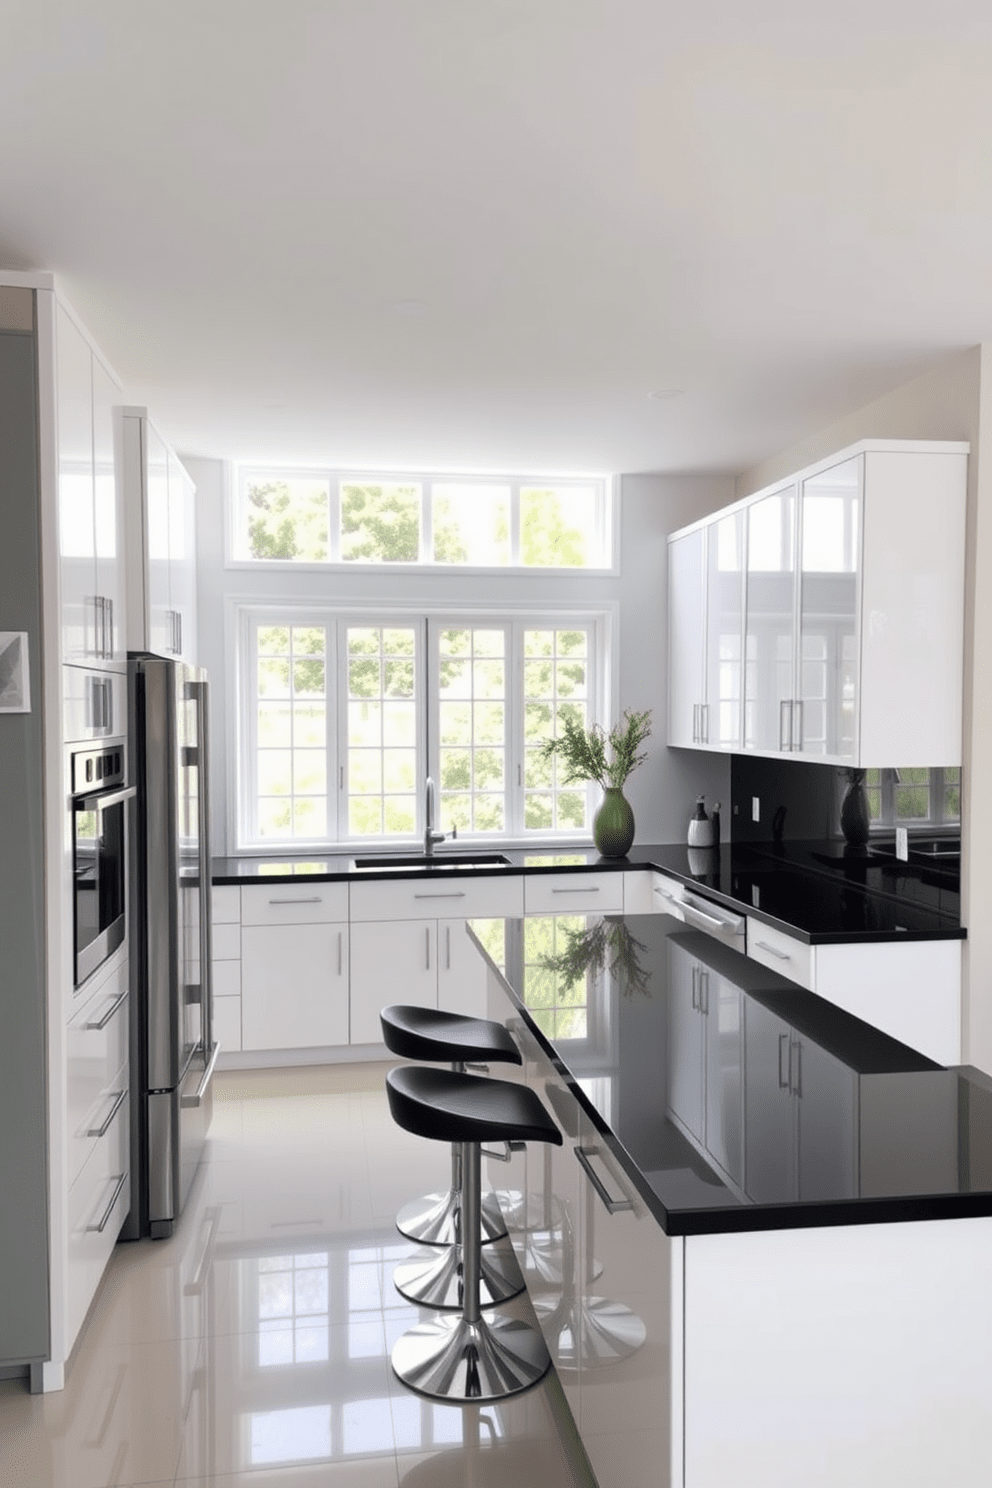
[{"x": 430, "y": 836}]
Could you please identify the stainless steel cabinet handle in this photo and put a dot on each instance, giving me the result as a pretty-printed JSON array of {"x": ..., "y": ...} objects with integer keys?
[
  {"x": 105, "y": 798},
  {"x": 340, "y": 951},
  {"x": 704, "y": 712},
  {"x": 798, "y": 743},
  {"x": 704, "y": 992},
  {"x": 99, "y": 1228},
  {"x": 796, "y": 1085},
  {"x": 695, "y": 986},
  {"x": 110, "y": 628},
  {"x": 447, "y": 947},
  {"x": 114, "y": 1007},
  {"x": 762, "y": 945},
  {"x": 459, "y": 895},
  {"x": 783, "y": 1080},
  {"x": 179, "y": 617},
  {"x": 315, "y": 899},
  {"x": 593, "y": 890},
  {"x": 208, "y": 1074},
  {"x": 120, "y": 1096},
  {"x": 612, "y": 1205},
  {"x": 781, "y": 723},
  {"x": 427, "y": 948}
]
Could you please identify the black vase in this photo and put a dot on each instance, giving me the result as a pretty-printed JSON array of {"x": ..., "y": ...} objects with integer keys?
[{"x": 855, "y": 818}]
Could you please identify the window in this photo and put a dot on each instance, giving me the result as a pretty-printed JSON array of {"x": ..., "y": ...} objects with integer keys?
[
  {"x": 914, "y": 797},
  {"x": 346, "y": 714},
  {"x": 291, "y": 517}
]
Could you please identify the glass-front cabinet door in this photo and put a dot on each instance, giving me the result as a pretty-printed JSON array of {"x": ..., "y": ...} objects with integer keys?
[
  {"x": 724, "y": 631},
  {"x": 769, "y": 642},
  {"x": 830, "y": 523}
]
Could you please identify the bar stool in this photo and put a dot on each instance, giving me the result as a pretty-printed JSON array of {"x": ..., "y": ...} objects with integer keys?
[
  {"x": 469, "y": 1357},
  {"x": 427, "y": 1034}
]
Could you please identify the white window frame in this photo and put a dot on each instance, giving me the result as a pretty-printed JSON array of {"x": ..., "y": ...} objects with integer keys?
[
  {"x": 608, "y": 519},
  {"x": 247, "y": 614}
]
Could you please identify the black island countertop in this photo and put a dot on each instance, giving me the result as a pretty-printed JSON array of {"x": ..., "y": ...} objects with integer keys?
[
  {"x": 733, "y": 1099},
  {"x": 817, "y": 891}
]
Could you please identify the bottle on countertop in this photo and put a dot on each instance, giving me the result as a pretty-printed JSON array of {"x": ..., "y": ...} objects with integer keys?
[
  {"x": 700, "y": 827},
  {"x": 715, "y": 819}
]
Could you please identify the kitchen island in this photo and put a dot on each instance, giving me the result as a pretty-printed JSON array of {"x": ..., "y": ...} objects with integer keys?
[{"x": 761, "y": 1256}]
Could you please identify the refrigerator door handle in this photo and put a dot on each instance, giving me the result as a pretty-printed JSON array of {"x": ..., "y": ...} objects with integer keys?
[{"x": 197, "y": 1098}]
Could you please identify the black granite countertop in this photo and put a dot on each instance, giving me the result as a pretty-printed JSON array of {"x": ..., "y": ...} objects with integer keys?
[
  {"x": 816, "y": 891},
  {"x": 734, "y": 1100}
]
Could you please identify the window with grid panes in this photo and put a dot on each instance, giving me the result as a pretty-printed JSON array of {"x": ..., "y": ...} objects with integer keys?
[
  {"x": 344, "y": 719},
  {"x": 558, "y": 1005},
  {"x": 915, "y": 796}
]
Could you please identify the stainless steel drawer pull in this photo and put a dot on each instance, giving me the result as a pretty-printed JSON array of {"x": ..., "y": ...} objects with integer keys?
[
  {"x": 315, "y": 900},
  {"x": 118, "y": 1185},
  {"x": 427, "y": 948},
  {"x": 784, "y": 1081},
  {"x": 120, "y": 1096},
  {"x": 612, "y": 1205},
  {"x": 460, "y": 894},
  {"x": 340, "y": 952},
  {"x": 594, "y": 890},
  {"x": 711, "y": 919},
  {"x": 114, "y": 1007},
  {"x": 762, "y": 945}
]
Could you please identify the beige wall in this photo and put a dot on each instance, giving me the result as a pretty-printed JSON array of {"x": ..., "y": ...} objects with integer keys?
[{"x": 951, "y": 400}]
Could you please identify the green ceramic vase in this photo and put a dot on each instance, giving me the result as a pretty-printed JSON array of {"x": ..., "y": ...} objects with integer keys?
[{"x": 613, "y": 824}]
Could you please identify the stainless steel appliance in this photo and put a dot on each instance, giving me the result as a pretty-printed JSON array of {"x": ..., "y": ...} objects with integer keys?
[
  {"x": 172, "y": 1049},
  {"x": 99, "y": 868}
]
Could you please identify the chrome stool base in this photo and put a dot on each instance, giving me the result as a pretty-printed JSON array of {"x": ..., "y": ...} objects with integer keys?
[
  {"x": 455, "y": 1360},
  {"x": 433, "y": 1219},
  {"x": 439, "y": 1280}
]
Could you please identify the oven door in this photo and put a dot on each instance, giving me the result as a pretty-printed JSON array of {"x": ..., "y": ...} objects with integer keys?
[{"x": 99, "y": 877}]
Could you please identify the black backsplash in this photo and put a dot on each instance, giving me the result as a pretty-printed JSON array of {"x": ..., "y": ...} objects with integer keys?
[{"x": 800, "y": 801}]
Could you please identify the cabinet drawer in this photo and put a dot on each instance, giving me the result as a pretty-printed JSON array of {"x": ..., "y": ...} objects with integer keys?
[
  {"x": 96, "y": 1066},
  {"x": 294, "y": 904},
  {"x": 225, "y": 904},
  {"x": 782, "y": 953},
  {"x": 666, "y": 895},
  {"x": 99, "y": 1200},
  {"x": 226, "y": 942},
  {"x": 426, "y": 899},
  {"x": 227, "y": 977},
  {"x": 564, "y": 893}
]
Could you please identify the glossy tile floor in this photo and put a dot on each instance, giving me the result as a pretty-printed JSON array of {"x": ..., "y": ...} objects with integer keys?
[{"x": 253, "y": 1347}]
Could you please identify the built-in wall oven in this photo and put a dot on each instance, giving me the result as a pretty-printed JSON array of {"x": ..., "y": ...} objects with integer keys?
[{"x": 99, "y": 791}]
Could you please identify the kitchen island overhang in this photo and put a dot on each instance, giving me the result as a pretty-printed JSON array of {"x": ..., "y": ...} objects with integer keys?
[{"x": 814, "y": 1303}]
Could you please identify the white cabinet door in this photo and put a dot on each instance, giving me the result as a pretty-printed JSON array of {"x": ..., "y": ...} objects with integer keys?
[
  {"x": 721, "y": 719},
  {"x": 769, "y": 642},
  {"x": 108, "y": 509},
  {"x": 769, "y": 1107},
  {"x": 390, "y": 962},
  {"x": 294, "y": 986},
  {"x": 77, "y": 536},
  {"x": 686, "y": 636},
  {"x": 830, "y": 547},
  {"x": 182, "y": 557},
  {"x": 724, "y": 1034},
  {"x": 686, "y": 1042},
  {"x": 156, "y": 525}
]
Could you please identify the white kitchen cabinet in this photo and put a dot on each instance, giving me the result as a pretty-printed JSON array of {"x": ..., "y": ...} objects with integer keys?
[
  {"x": 911, "y": 990},
  {"x": 706, "y": 634},
  {"x": 294, "y": 986},
  {"x": 161, "y": 539},
  {"x": 391, "y": 962},
  {"x": 90, "y": 522},
  {"x": 573, "y": 893},
  {"x": 706, "y": 1060},
  {"x": 225, "y": 916},
  {"x": 854, "y": 613}
]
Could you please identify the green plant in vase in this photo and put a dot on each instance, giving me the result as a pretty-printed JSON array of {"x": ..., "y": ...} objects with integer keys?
[{"x": 608, "y": 759}]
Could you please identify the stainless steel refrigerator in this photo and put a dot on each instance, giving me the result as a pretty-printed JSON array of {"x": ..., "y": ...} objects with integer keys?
[{"x": 172, "y": 1050}]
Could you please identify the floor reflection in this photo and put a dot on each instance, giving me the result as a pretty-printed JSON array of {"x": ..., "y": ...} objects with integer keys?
[{"x": 253, "y": 1346}]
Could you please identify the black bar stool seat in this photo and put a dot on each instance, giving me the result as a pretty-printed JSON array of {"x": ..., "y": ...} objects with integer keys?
[
  {"x": 469, "y": 1357},
  {"x": 457, "y": 1039}
]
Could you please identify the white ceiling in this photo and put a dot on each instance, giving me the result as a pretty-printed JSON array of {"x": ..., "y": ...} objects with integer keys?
[{"x": 480, "y": 233}]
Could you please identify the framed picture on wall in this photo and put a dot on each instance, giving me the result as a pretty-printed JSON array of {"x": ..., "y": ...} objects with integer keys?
[{"x": 15, "y": 687}]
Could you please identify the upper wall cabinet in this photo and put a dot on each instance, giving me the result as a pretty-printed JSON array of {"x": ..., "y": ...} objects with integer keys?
[
  {"x": 706, "y": 607},
  {"x": 161, "y": 537},
  {"x": 90, "y": 526},
  {"x": 852, "y": 623}
]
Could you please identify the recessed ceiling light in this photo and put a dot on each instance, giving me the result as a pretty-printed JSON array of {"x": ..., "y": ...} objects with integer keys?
[{"x": 661, "y": 394}]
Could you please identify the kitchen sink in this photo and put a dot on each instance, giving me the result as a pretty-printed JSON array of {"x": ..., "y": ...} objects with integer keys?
[{"x": 415, "y": 861}]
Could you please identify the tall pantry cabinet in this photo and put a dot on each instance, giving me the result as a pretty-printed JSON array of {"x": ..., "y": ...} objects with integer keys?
[{"x": 62, "y": 613}]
